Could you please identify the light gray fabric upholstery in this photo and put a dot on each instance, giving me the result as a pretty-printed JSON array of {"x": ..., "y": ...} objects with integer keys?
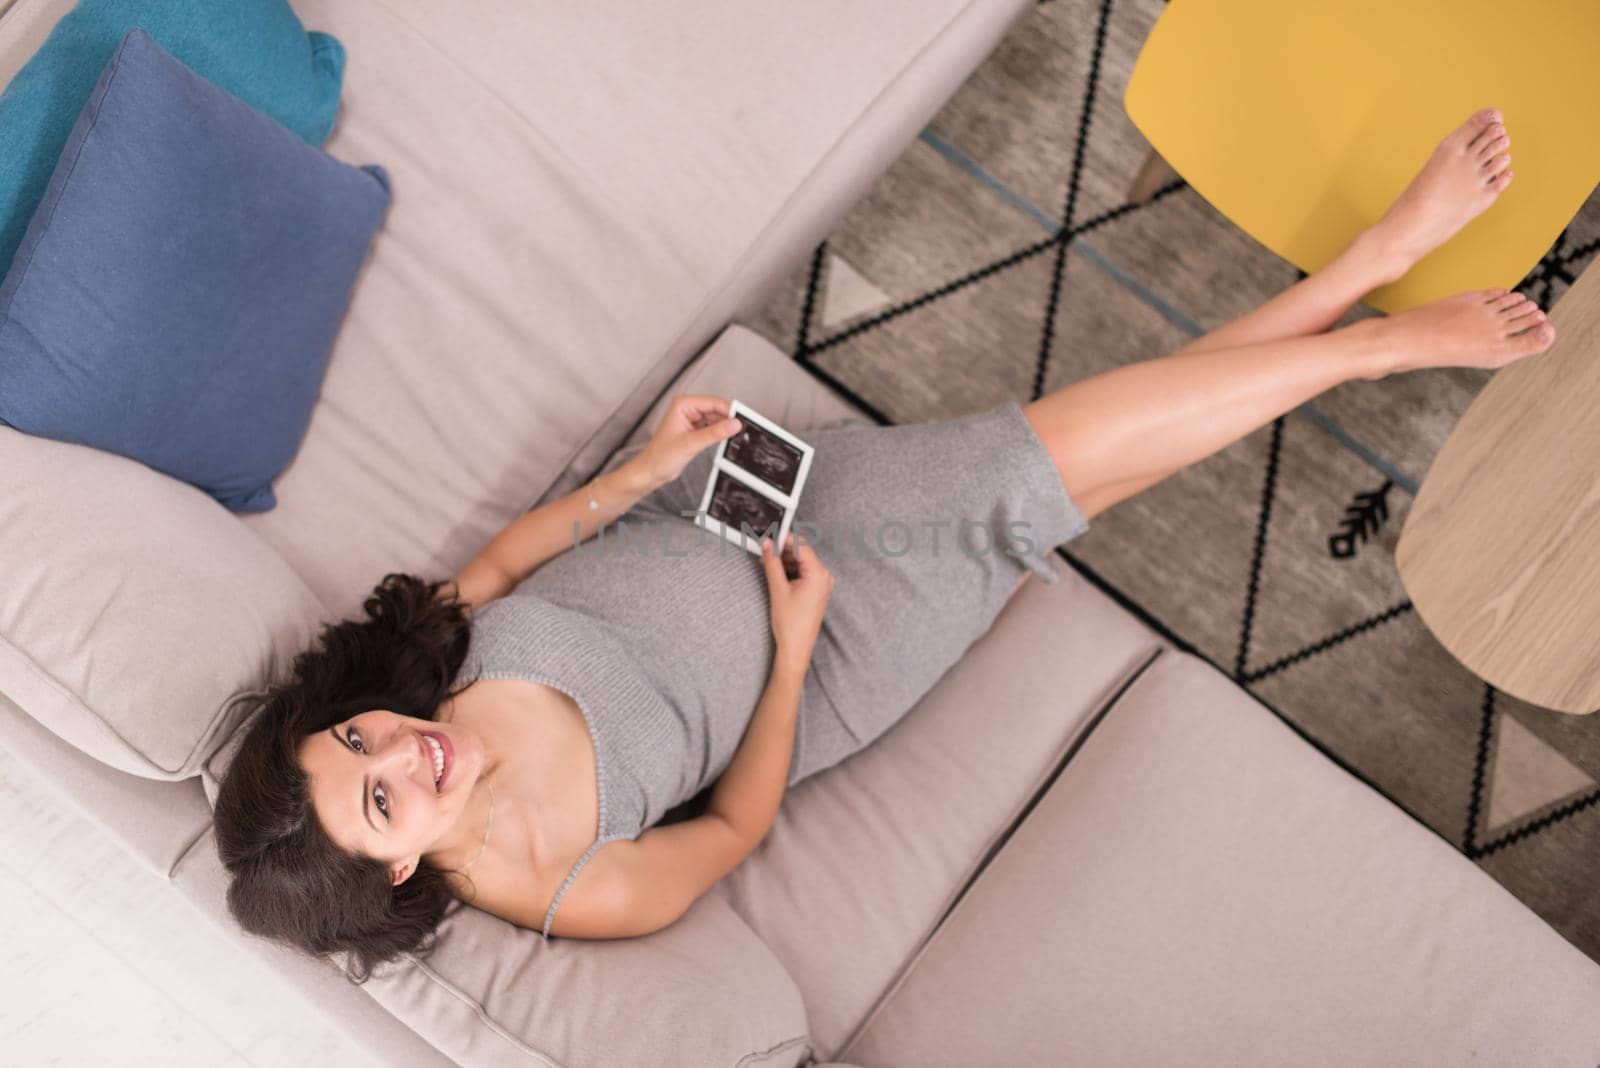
[
  {"x": 155, "y": 821},
  {"x": 1201, "y": 886},
  {"x": 860, "y": 151},
  {"x": 132, "y": 606}
]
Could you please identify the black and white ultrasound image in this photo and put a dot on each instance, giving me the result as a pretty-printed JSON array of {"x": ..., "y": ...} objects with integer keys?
[
  {"x": 733, "y": 503},
  {"x": 765, "y": 455}
]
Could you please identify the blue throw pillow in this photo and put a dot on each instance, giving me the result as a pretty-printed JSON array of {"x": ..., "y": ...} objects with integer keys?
[
  {"x": 256, "y": 49},
  {"x": 178, "y": 290}
]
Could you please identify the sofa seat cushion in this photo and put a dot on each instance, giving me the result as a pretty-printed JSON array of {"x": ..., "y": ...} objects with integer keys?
[
  {"x": 1200, "y": 882},
  {"x": 864, "y": 857},
  {"x": 704, "y": 990}
]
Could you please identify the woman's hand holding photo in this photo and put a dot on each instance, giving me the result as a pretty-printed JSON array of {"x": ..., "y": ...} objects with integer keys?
[
  {"x": 798, "y": 604},
  {"x": 693, "y": 423}
]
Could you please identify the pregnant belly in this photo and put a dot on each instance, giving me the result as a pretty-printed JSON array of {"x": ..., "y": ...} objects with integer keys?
[{"x": 688, "y": 612}]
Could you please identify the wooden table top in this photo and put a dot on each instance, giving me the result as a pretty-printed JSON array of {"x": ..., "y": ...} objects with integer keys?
[{"x": 1501, "y": 551}]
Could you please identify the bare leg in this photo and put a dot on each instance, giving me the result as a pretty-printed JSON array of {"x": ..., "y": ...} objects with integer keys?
[
  {"x": 1135, "y": 422},
  {"x": 1308, "y": 307},
  {"x": 1461, "y": 179}
]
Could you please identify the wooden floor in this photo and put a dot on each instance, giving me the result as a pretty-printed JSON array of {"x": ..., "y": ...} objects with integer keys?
[{"x": 103, "y": 963}]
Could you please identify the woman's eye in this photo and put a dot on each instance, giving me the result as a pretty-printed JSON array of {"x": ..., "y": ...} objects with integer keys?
[
  {"x": 382, "y": 800},
  {"x": 355, "y": 741}
]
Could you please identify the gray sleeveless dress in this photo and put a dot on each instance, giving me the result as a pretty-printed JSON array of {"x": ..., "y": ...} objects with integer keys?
[{"x": 662, "y": 633}]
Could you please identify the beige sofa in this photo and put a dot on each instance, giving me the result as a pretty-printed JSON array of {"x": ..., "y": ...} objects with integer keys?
[{"x": 1131, "y": 863}]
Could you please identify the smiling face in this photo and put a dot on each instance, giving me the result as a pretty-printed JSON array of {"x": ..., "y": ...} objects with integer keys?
[{"x": 374, "y": 785}]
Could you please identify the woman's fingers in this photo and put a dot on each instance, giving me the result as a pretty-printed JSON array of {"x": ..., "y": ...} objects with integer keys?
[
  {"x": 772, "y": 563},
  {"x": 710, "y": 435},
  {"x": 810, "y": 564},
  {"x": 798, "y": 563},
  {"x": 700, "y": 408}
]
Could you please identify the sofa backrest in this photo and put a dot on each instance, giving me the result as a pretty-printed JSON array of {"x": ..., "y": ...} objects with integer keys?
[{"x": 582, "y": 196}]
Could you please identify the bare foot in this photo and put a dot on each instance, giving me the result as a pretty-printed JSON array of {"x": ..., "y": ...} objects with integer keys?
[
  {"x": 1466, "y": 172},
  {"x": 1485, "y": 328}
]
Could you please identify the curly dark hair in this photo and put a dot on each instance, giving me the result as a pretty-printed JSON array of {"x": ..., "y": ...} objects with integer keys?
[{"x": 291, "y": 882}]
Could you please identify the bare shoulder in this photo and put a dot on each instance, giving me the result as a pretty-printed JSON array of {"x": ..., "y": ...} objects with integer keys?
[{"x": 520, "y": 893}]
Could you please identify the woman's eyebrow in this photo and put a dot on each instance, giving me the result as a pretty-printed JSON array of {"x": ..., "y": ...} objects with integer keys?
[{"x": 366, "y": 790}]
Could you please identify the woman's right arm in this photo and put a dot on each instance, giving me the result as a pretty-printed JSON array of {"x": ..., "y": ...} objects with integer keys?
[
  {"x": 691, "y": 424},
  {"x": 640, "y": 886},
  {"x": 637, "y": 887},
  {"x": 549, "y": 530}
]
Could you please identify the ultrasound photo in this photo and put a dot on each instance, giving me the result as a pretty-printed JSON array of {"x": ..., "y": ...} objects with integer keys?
[
  {"x": 732, "y": 503},
  {"x": 764, "y": 455}
]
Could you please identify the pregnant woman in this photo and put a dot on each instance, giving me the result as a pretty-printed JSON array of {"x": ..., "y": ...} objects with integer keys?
[{"x": 514, "y": 737}]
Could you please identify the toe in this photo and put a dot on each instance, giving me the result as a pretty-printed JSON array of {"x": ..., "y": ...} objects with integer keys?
[
  {"x": 1522, "y": 319},
  {"x": 1489, "y": 145},
  {"x": 1485, "y": 136},
  {"x": 1501, "y": 180},
  {"x": 1540, "y": 338},
  {"x": 1498, "y": 163},
  {"x": 1479, "y": 119},
  {"x": 1508, "y": 300}
]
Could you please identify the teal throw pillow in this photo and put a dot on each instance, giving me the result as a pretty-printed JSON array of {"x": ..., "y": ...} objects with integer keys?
[{"x": 258, "y": 50}]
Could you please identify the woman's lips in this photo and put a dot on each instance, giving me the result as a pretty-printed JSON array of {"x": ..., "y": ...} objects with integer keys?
[{"x": 449, "y": 756}]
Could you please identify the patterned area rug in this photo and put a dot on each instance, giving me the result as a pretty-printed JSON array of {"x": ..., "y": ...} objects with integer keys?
[{"x": 999, "y": 258}]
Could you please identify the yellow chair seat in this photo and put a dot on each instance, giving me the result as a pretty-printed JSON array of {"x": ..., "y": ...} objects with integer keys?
[{"x": 1301, "y": 121}]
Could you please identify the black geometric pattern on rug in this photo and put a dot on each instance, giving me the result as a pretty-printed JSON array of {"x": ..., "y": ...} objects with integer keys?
[
  {"x": 1470, "y": 844},
  {"x": 1074, "y": 179},
  {"x": 1363, "y": 518},
  {"x": 1561, "y": 265}
]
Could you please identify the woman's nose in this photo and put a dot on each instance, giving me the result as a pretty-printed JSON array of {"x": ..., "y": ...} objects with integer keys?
[{"x": 404, "y": 750}]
